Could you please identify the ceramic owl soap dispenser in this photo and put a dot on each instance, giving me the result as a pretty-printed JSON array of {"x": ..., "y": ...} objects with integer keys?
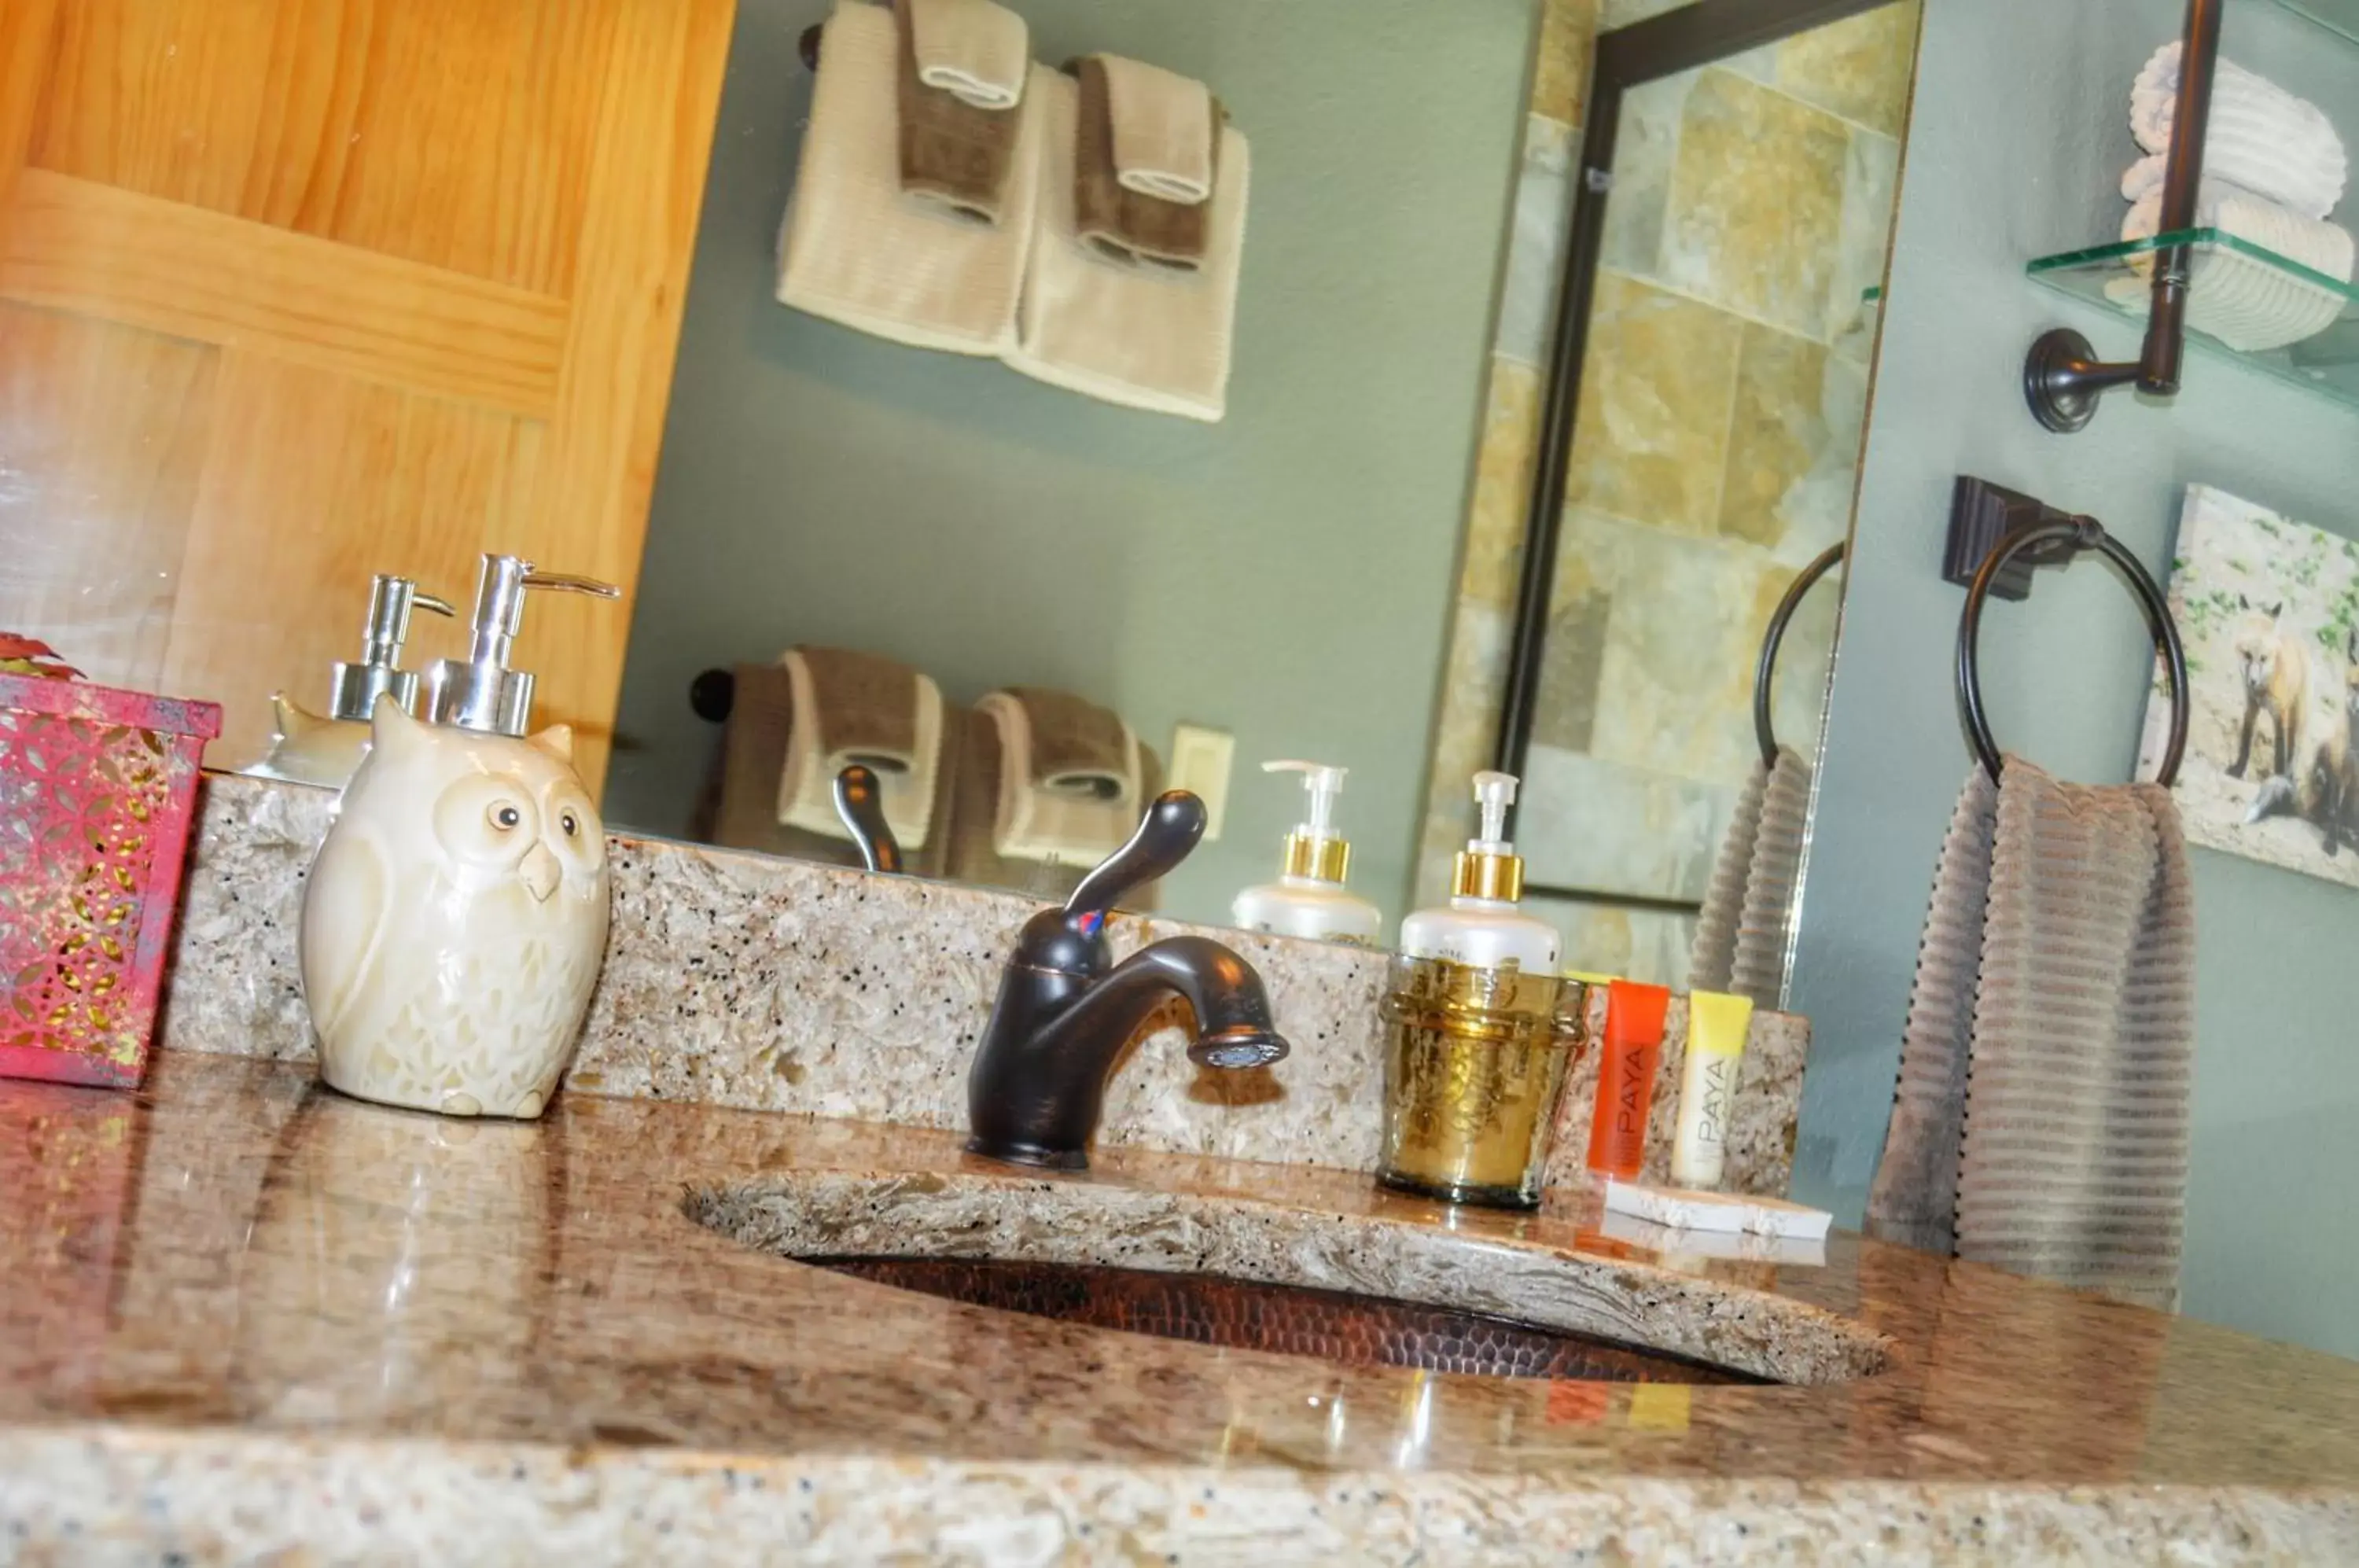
[{"x": 455, "y": 919}]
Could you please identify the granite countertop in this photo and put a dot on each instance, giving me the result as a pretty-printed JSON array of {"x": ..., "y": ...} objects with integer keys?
[{"x": 243, "y": 1316}]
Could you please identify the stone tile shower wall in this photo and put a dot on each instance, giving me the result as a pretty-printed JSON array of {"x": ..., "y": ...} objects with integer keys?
[{"x": 1722, "y": 400}]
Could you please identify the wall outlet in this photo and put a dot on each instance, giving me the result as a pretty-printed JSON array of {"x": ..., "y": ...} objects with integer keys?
[{"x": 1200, "y": 759}]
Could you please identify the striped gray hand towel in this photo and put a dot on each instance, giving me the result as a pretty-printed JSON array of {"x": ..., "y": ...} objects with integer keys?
[
  {"x": 2041, "y": 1121},
  {"x": 1740, "y": 940}
]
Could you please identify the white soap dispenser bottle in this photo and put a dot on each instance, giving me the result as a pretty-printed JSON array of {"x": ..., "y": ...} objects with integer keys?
[
  {"x": 1482, "y": 925},
  {"x": 1309, "y": 898},
  {"x": 455, "y": 919},
  {"x": 307, "y": 748}
]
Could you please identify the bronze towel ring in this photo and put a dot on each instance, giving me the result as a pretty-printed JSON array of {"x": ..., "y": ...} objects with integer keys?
[
  {"x": 1765, "y": 673},
  {"x": 2070, "y": 538}
]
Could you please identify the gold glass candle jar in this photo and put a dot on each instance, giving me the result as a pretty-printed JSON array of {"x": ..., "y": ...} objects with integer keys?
[{"x": 1475, "y": 1063}]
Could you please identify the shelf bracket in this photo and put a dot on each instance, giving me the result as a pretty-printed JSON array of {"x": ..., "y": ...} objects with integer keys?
[{"x": 2062, "y": 377}]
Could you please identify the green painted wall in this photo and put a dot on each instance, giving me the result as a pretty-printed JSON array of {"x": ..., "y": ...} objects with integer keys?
[
  {"x": 1285, "y": 576},
  {"x": 2018, "y": 140}
]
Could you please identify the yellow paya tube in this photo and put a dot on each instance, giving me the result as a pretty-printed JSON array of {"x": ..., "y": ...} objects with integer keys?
[{"x": 1716, "y": 1029}]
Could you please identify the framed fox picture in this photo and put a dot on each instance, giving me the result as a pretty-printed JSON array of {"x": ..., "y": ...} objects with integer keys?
[{"x": 2269, "y": 609}]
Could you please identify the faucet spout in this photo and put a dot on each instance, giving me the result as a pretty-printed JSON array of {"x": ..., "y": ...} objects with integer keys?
[{"x": 1054, "y": 1037}]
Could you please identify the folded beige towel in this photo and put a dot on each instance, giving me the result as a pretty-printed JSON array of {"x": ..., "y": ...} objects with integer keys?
[
  {"x": 1053, "y": 803},
  {"x": 1163, "y": 129},
  {"x": 847, "y": 707},
  {"x": 856, "y": 250},
  {"x": 2041, "y": 1121},
  {"x": 978, "y": 52},
  {"x": 1740, "y": 940},
  {"x": 951, "y": 152},
  {"x": 1144, "y": 338}
]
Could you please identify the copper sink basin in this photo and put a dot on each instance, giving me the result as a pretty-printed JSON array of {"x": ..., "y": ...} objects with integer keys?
[{"x": 1379, "y": 1287}]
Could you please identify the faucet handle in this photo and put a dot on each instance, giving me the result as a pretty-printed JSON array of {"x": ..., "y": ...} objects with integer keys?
[
  {"x": 1168, "y": 831},
  {"x": 860, "y": 801}
]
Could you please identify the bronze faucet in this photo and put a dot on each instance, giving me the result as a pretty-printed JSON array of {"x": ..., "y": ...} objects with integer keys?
[{"x": 1066, "y": 1009}]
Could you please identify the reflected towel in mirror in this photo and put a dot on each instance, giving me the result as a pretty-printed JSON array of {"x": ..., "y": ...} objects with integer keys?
[
  {"x": 1163, "y": 127},
  {"x": 977, "y": 52},
  {"x": 1144, "y": 338},
  {"x": 1063, "y": 796},
  {"x": 848, "y": 707},
  {"x": 954, "y": 152},
  {"x": 854, "y": 249},
  {"x": 1740, "y": 934}
]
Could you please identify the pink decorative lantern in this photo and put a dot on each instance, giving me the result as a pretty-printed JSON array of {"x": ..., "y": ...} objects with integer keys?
[{"x": 98, "y": 787}]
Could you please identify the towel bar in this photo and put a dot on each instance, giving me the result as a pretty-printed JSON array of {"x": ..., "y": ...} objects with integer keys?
[
  {"x": 2070, "y": 538},
  {"x": 1765, "y": 673},
  {"x": 712, "y": 694}
]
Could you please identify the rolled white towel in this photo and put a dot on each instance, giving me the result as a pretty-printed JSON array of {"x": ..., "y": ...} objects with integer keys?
[
  {"x": 2259, "y": 135},
  {"x": 2221, "y": 204},
  {"x": 2246, "y": 304}
]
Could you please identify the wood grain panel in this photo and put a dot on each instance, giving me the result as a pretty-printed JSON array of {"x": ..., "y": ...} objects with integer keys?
[
  {"x": 453, "y": 133},
  {"x": 354, "y": 285},
  {"x": 102, "y": 432},
  {"x": 342, "y": 480},
  {"x": 638, "y": 232},
  {"x": 70, "y": 244},
  {"x": 27, "y": 50}
]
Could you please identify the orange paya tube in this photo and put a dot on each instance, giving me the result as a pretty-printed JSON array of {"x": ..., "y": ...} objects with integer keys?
[{"x": 1625, "y": 1078}]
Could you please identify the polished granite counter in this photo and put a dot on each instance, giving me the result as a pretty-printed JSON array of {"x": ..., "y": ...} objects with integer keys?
[{"x": 241, "y": 1317}]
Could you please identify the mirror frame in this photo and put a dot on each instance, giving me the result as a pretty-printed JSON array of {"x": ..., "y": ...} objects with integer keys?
[{"x": 1681, "y": 39}]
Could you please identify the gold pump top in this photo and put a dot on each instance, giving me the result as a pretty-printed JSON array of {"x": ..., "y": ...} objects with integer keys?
[
  {"x": 1499, "y": 877},
  {"x": 1489, "y": 867},
  {"x": 1319, "y": 859},
  {"x": 1315, "y": 850}
]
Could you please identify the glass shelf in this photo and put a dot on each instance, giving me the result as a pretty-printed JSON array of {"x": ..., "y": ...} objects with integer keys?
[
  {"x": 2242, "y": 303},
  {"x": 2338, "y": 16}
]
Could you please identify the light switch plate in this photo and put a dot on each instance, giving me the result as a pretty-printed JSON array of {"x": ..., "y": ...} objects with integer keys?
[{"x": 1200, "y": 759}]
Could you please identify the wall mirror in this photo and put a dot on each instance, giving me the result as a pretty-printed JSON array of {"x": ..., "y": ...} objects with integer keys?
[
  {"x": 1467, "y": 378},
  {"x": 1677, "y": 605}
]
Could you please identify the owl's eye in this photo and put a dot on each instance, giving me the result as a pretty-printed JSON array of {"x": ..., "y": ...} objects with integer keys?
[
  {"x": 485, "y": 820},
  {"x": 576, "y": 840}
]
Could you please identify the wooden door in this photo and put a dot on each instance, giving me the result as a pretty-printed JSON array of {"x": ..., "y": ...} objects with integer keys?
[{"x": 294, "y": 291}]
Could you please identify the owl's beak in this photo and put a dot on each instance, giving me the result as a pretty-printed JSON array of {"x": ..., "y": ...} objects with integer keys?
[{"x": 540, "y": 872}]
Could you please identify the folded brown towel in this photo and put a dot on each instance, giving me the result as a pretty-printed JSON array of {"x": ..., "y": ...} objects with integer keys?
[
  {"x": 742, "y": 809},
  {"x": 973, "y": 855},
  {"x": 1074, "y": 740},
  {"x": 953, "y": 155},
  {"x": 867, "y": 705},
  {"x": 1113, "y": 220},
  {"x": 2041, "y": 1122}
]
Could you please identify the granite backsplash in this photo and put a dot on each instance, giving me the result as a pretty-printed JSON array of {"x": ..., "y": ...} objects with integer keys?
[{"x": 784, "y": 985}]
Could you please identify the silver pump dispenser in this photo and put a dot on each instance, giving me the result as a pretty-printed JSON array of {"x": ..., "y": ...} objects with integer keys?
[
  {"x": 480, "y": 691},
  {"x": 354, "y": 685}
]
